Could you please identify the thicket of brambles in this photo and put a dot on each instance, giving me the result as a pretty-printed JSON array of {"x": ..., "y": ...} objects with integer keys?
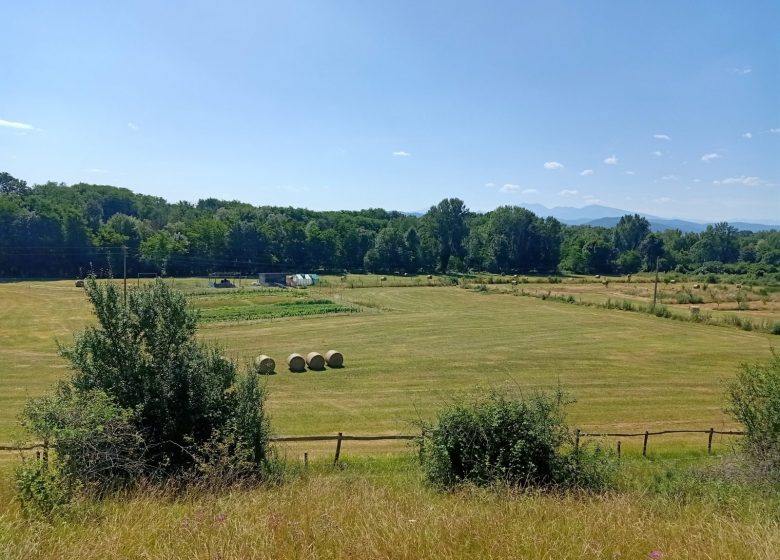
[
  {"x": 145, "y": 402},
  {"x": 56, "y": 230}
]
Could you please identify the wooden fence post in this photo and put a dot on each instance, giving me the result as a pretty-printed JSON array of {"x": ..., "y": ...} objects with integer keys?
[
  {"x": 305, "y": 459},
  {"x": 618, "y": 450},
  {"x": 644, "y": 445},
  {"x": 338, "y": 449},
  {"x": 709, "y": 441}
]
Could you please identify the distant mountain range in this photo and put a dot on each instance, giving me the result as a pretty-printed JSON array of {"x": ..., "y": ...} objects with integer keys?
[{"x": 595, "y": 215}]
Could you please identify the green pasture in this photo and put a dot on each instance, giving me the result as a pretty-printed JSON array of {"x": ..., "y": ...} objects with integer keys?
[{"x": 409, "y": 350}]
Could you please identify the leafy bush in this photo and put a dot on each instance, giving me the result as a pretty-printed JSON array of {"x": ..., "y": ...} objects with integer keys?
[
  {"x": 146, "y": 399},
  {"x": 516, "y": 441},
  {"x": 43, "y": 491},
  {"x": 96, "y": 442},
  {"x": 754, "y": 400}
]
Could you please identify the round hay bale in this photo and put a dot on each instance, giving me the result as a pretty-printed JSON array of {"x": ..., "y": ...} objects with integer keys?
[
  {"x": 264, "y": 364},
  {"x": 79, "y": 283},
  {"x": 383, "y": 278},
  {"x": 334, "y": 359},
  {"x": 430, "y": 277},
  {"x": 315, "y": 361},
  {"x": 296, "y": 362}
]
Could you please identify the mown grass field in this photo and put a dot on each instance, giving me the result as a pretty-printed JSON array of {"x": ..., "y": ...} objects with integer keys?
[{"x": 409, "y": 349}]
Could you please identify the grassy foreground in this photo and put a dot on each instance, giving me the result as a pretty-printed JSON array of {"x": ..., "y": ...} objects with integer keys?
[{"x": 378, "y": 509}]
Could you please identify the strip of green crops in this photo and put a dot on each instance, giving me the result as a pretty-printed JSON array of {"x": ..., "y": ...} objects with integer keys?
[{"x": 275, "y": 310}]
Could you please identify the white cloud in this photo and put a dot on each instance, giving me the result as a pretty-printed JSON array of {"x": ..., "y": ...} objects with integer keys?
[
  {"x": 490, "y": 185},
  {"x": 662, "y": 200},
  {"x": 401, "y": 153},
  {"x": 15, "y": 125},
  {"x": 589, "y": 198},
  {"x": 697, "y": 180},
  {"x": 742, "y": 180},
  {"x": 742, "y": 71},
  {"x": 530, "y": 191},
  {"x": 510, "y": 188},
  {"x": 133, "y": 126},
  {"x": 661, "y": 137},
  {"x": 709, "y": 157},
  {"x": 586, "y": 172},
  {"x": 774, "y": 130},
  {"x": 747, "y": 135},
  {"x": 568, "y": 192},
  {"x": 611, "y": 160},
  {"x": 670, "y": 178},
  {"x": 553, "y": 165},
  {"x": 96, "y": 170},
  {"x": 630, "y": 172},
  {"x": 657, "y": 153}
]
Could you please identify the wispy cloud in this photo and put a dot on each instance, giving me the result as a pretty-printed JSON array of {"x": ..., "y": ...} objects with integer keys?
[
  {"x": 709, "y": 157},
  {"x": 657, "y": 153},
  {"x": 670, "y": 178},
  {"x": 774, "y": 130},
  {"x": 744, "y": 180},
  {"x": 586, "y": 172},
  {"x": 529, "y": 191},
  {"x": 553, "y": 165},
  {"x": 96, "y": 170},
  {"x": 401, "y": 153},
  {"x": 630, "y": 172},
  {"x": 15, "y": 125},
  {"x": 611, "y": 160},
  {"x": 697, "y": 180},
  {"x": 133, "y": 126},
  {"x": 590, "y": 199},
  {"x": 661, "y": 137},
  {"x": 490, "y": 185},
  {"x": 747, "y": 135},
  {"x": 742, "y": 70},
  {"x": 568, "y": 192},
  {"x": 662, "y": 200}
]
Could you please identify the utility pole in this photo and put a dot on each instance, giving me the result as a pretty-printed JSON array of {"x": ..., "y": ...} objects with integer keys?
[
  {"x": 124, "y": 271},
  {"x": 655, "y": 287}
]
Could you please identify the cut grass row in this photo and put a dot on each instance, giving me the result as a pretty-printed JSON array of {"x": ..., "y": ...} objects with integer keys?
[{"x": 276, "y": 310}]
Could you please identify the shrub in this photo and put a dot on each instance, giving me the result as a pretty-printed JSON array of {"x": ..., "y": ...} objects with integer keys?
[
  {"x": 754, "y": 400},
  {"x": 42, "y": 491},
  {"x": 96, "y": 442},
  {"x": 517, "y": 441},
  {"x": 146, "y": 399}
]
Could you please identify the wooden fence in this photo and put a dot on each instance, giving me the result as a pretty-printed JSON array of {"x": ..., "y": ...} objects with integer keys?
[{"x": 340, "y": 437}]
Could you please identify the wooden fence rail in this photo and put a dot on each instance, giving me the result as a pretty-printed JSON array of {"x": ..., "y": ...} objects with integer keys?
[{"x": 340, "y": 437}]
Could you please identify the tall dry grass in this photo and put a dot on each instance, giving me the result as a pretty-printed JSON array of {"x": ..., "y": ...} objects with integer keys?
[{"x": 363, "y": 516}]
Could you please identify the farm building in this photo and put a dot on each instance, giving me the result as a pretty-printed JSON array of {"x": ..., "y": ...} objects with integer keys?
[{"x": 272, "y": 278}]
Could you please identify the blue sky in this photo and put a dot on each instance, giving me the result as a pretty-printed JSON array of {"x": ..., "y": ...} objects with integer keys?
[{"x": 671, "y": 108}]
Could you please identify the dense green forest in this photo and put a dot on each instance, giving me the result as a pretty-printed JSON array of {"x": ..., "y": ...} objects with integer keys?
[{"x": 57, "y": 230}]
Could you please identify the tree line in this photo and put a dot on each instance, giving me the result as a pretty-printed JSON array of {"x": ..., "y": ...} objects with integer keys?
[{"x": 59, "y": 230}]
